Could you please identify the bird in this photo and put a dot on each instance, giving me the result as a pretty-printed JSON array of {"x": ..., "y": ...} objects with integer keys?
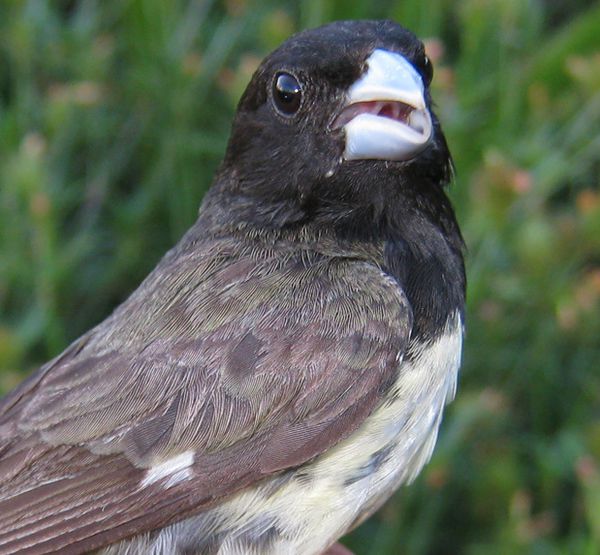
[{"x": 285, "y": 367}]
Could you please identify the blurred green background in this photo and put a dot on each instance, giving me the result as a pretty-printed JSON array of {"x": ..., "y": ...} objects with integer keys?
[{"x": 114, "y": 115}]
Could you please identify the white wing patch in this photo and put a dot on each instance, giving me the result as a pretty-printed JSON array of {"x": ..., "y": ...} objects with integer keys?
[
  {"x": 348, "y": 482},
  {"x": 176, "y": 469}
]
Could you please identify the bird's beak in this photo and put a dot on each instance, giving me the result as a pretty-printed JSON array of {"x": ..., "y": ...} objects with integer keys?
[{"x": 386, "y": 116}]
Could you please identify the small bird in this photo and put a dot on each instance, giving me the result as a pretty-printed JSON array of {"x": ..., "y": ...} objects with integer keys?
[{"x": 285, "y": 366}]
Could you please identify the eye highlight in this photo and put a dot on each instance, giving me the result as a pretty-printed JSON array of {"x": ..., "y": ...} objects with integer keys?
[
  {"x": 287, "y": 93},
  {"x": 427, "y": 70}
]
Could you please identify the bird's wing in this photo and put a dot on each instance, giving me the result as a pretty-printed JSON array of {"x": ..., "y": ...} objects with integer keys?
[{"x": 217, "y": 372}]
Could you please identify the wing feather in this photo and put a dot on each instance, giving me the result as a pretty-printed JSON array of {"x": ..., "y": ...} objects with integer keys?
[{"x": 252, "y": 362}]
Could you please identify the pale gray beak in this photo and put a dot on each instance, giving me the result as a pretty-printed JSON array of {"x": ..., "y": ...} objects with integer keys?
[{"x": 386, "y": 117}]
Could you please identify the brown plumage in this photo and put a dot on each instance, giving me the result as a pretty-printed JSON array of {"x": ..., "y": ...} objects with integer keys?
[
  {"x": 197, "y": 359},
  {"x": 284, "y": 367}
]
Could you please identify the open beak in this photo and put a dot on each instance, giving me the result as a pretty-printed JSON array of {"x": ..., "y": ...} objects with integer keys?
[{"x": 385, "y": 116}]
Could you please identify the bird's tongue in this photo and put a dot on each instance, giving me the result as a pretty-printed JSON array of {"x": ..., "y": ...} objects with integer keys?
[{"x": 384, "y": 108}]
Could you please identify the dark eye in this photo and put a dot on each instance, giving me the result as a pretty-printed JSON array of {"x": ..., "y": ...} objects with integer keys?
[
  {"x": 427, "y": 70},
  {"x": 287, "y": 93}
]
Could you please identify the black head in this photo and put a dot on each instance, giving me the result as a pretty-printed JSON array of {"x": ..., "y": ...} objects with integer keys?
[{"x": 289, "y": 160}]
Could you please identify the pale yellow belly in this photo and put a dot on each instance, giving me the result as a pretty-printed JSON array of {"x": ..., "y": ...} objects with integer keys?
[{"x": 305, "y": 510}]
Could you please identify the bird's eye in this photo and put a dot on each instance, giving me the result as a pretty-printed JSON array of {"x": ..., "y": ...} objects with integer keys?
[
  {"x": 287, "y": 93},
  {"x": 427, "y": 70}
]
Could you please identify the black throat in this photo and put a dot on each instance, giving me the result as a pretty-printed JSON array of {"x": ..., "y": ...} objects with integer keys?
[{"x": 405, "y": 220}]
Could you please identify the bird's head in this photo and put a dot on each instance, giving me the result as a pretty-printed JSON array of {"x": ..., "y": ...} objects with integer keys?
[{"x": 337, "y": 123}]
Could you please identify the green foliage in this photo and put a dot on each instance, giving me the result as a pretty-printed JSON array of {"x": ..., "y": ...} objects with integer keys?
[{"x": 113, "y": 118}]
